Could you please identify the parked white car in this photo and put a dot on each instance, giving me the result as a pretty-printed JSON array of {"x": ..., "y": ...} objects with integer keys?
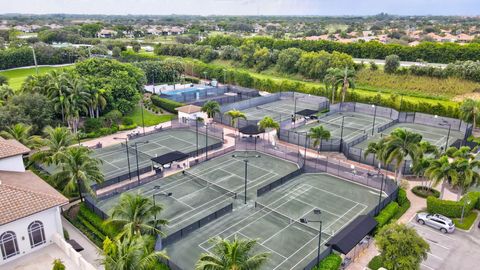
[{"x": 436, "y": 221}]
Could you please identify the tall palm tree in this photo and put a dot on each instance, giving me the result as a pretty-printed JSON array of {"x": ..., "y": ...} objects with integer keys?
[
  {"x": 377, "y": 149},
  {"x": 399, "y": 145},
  {"x": 232, "y": 255},
  {"x": 470, "y": 110},
  {"x": 55, "y": 142},
  {"x": 96, "y": 101},
  {"x": 268, "y": 124},
  {"x": 130, "y": 254},
  {"x": 211, "y": 108},
  {"x": 76, "y": 171},
  {"x": 21, "y": 132},
  {"x": 331, "y": 81},
  {"x": 55, "y": 91},
  {"x": 234, "y": 116},
  {"x": 467, "y": 172},
  {"x": 76, "y": 102},
  {"x": 442, "y": 170},
  {"x": 137, "y": 215},
  {"x": 419, "y": 167},
  {"x": 346, "y": 79},
  {"x": 318, "y": 134}
]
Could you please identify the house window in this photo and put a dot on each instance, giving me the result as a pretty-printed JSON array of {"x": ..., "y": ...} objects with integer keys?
[
  {"x": 9, "y": 245},
  {"x": 36, "y": 234}
]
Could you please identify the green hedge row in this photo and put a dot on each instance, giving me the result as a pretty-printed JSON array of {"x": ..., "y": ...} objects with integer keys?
[
  {"x": 424, "y": 192},
  {"x": 331, "y": 262},
  {"x": 166, "y": 104},
  {"x": 97, "y": 222},
  {"x": 453, "y": 209},
  {"x": 386, "y": 214},
  {"x": 403, "y": 202}
]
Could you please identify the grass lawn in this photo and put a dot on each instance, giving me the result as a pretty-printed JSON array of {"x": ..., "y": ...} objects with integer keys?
[
  {"x": 468, "y": 221},
  {"x": 17, "y": 76},
  {"x": 150, "y": 118}
]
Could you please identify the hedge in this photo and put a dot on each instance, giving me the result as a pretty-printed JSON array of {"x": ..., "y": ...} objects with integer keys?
[
  {"x": 453, "y": 209},
  {"x": 386, "y": 214},
  {"x": 403, "y": 202},
  {"x": 375, "y": 263},
  {"x": 331, "y": 262},
  {"x": 166, "y": 104},
  {"x": 424, "y": 192},
  {"x": 97, "y": 222}
]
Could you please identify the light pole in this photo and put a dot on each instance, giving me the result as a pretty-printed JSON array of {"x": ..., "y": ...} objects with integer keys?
[
  {"x": 206, "y": 140},
  {"x": 35, "y": 59},
  {"x": 224, "y": 76},
  {"x": 444, "y": 123},
  {"x": 465, "y": 202},
  {"x": 205, "y": 75},
  {"x": 143, "y": 121},
  {"x": 341, "y": 135},
  {"x": 381, "y": 188},
  {"x": 167, "y": 194},
  {"x": 317, "y": 212},
  {"x": 245, "y": 160},
  {"x": 128, "y": 156},
  {"x": 374, "y": 118},
  {"x": 136, "y": 157}
]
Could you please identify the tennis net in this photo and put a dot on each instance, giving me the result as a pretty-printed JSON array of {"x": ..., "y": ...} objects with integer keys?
[
  {"x": 133, "y": 151},
  {"x": 290, "y": 220},
  {"x": 339, "y": 126},
  {"x": 269, "y": 109},
  {"x": 211, "y": 185}
]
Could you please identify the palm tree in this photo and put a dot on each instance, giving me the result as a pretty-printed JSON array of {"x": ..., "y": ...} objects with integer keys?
[
  {"x": 399, "y": 145},
  {"x": 76, "y": 101},
  {"x": 56, "y": 141},
  {"x": 377, "y": 149},
  {"x": 268, "y": 124},
  {"x": 442, "y": 170},
  {"x": 6, "y": 93},
  {"x": 76, "y": 170},
  {"x": 470, "y": 111},
  {"x": 234, "y": 116},
  {"x": 419, "y": 168},
  {"x": 331, "y": 81},
  {"x": 211, "y": 108},
  {"x": 467, "y": 174},
  {"x": 232, "y": 255},
  {"x": 345, "y": 78},
  {"x": 318, "y": 134},
  {"x": 130, "y": 254},
  {"x": 136, "y": 214},
  {"x": 96, "y": 101},
  {"x": 21, "y": 132},
  {"x": 56, "y": 92}
]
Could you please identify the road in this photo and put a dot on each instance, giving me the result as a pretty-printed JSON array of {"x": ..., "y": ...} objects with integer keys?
[{"x": 402, "y": 63}]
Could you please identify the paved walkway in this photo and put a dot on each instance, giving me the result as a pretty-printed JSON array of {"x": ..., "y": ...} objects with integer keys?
[{"x": 91, "y": 252}]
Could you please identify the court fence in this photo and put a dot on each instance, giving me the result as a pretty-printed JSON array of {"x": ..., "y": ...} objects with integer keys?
[
  {"x": 121, "y": 178},
  {"x": 316, "y": 102}
]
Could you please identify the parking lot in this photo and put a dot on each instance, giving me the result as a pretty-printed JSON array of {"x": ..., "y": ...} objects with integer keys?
[{"x": 458, "y": 250}]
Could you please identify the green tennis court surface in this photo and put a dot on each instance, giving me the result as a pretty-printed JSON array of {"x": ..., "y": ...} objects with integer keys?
[
  {"x": 274, "y": 221},
  {"x": 434, "y": 135},
  {"x": 355, "y": 124},
  {"x": 208, "y": 187},
  {"x": 280, "y": 110},
  {"x": 114, "y": 158}
]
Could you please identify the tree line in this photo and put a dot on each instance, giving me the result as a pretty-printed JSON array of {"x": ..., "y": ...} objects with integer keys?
[{"x": 426, "y": 51}]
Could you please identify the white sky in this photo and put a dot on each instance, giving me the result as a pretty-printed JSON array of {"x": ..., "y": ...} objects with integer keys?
[{"x": 244, "y": 7}]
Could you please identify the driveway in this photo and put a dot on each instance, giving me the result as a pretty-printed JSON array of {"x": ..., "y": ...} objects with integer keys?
[{"x": 459, "y": 250}]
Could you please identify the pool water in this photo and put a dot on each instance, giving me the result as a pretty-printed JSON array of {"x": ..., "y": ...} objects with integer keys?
[{"x": 185, "y": 90}]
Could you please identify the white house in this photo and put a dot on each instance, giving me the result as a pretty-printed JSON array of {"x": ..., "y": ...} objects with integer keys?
[
  {"x": 30, "y": 219},
  {"x": 190, "y": 112}
]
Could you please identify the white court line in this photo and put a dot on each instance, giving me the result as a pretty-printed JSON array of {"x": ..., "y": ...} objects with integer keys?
[
  {"x": 236, "y": 223},
  {"x": 337, "y": 195},
  {"x": 314, "y": 207},
  {"x": 198, "y": 213},
  {"x": 273, "y": 251},
  {"x": 424, "y": 265}
]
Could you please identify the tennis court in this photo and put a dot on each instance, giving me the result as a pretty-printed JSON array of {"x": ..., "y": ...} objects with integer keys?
[
  {"x": 114, "y": 158},
  {"x": 355, "y": 124},
  {"x": 434, "y": 135},
  {"x": 208, "y": 187},
  {"x": 274, "y": 221},
  {"x": 280, "y": 110}
]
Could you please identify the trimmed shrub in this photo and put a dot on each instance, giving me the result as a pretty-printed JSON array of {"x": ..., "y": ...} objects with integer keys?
[
  {"x": 166, "y": 104},
  {"x": 92, "y": 125},
  {"x": 58, "y": 265},
  {"x": 402, "y": 197},
  {"x": 403, "y": 202},
  {"x": 331, "y": 262},
  {"x": 97, "y": 222},
  {"x": 386, "y": 214},
  {"x": 424, "y": 192},
  {"x": 452, "y": 209},
  {"x": 65, "y": 234},
  {"x": 127, "y": 121},
  {"x": 375, "y": 263}
]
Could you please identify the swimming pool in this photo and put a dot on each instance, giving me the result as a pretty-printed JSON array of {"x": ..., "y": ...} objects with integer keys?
[{"x": 185, "y": 90}]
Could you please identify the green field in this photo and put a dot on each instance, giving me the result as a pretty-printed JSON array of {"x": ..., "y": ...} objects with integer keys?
[
  {"x": 150, "y": 118},
  {"x": 17, "y": 76}
]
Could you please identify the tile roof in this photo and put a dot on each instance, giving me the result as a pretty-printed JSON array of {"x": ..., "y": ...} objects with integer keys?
[
  {"x": 9, "y": 148},
  {"x": 189, "y": 109},
  {"x": 24, "y": 194}
]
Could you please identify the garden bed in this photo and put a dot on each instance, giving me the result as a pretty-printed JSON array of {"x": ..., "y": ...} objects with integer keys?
[{"x": 425, "y": 192}]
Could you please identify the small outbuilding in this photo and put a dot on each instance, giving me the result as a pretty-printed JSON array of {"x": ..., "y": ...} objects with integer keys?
[{"x": 188, "y": 112}]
